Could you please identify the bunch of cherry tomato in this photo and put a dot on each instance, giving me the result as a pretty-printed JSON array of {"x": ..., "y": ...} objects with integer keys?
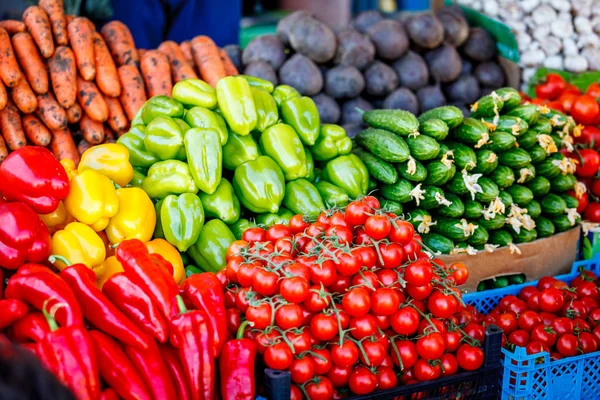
[{"x": 350, "y": 303}]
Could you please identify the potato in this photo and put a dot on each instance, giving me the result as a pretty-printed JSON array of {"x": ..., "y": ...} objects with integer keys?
[
  {"x": 314, "y": 39},
  {"x": 349, "y": 113},
  {"x": 465, "y": 90},
  {"x": 329, "y": 109},
  {"x": 425, "y": 30},
  {"x": 456, "y": 27},
  {"x": 444, "y": 63},
  {"x": 412, "y": 71},
  {"x": 344, "y": 81},
  {"x": 354, "y": 48},
  {"x": 467, "y": 67},
  {"x": 389, "y": 38},
  {"x": 430, "y": 97},
  {"x": 403, "y": 99},
  {"x": 490, "y": 74},
  {"x": 363, "y": 21},
  {"x": 235, "y": 55},
  {"x": 265, "y": 48},
  {"x": 301, "y": 73},
  {"x": 480, "y": 46},
  {"x": 285, "y": 24},
  {"x": 380, "y": 79},
  {"x": 353, "y": 129},
  {"x": 263, "y": 70}
]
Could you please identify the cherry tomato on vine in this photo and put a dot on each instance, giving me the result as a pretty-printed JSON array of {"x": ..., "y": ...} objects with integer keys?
[
  {"x": 378, "y": 226},
  {"x": 357, "y": 213},
  {"x": 362, "y": 381},
  {"x": 469, "y": 357},
  {"x": 278, "y": 356},
  {"x": 424, "y": 370},
  {"x": 302, "y": 369},
  {"x": 320, "y": 389}
]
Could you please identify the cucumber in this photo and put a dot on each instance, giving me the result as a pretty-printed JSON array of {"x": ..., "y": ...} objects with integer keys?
[
  {"x": 503, "y": 176},
  {"x": 556, "y": 118},
  {"x": 501, "y": 237},
  {"x": 384, "y": 144},
  {"x": 423, "y": 147},
  {"x": 562, "y": 223},
  {"x": 438, "y": 173},
  {"x": 539, "y": 186},
  {"x": 528, "y": 112},
  {"x": 553, "y": 205},
  {"x": 542, "y": 126},
  {"x": 372, "y": 185},
  {"x": 454, "y": 210},
  {"x": 473, "y": 209},
  {"x": 451, "y": 228},
  {"x": 506, "y": 198},
  {"x": 487, "y": 161},
  {"x": 487, "y": 106},
  {"x": 524, "y": 236},
  {"x": 557, "y": 140},
  {"x": 398, "y": 191},
  {"x": 419, "y": 174},
  {"x": 398, "y": 121},
  {"x": 438, "y": 243},
  {"x": 511, "y": 98},
  {"x": 521, "y": 195},
  {"x": 515, "y": 158},
  {"x": 431, "y": 196},
  {"x": 562, "y": 183},
  {"x": 544, "y": 227},
  {"x": 391, "y": 206},
  {"x": 378, "y": 169},
  {"x": 537, "y": 153},
  {"x": 416, "y": 218},
  {"x": 525, "y": 174},
  {"x": 451, "y": 115},
  {"x": 471, "y": 132},
  {"x": 489, "y": 190},
  {"x": 435, "y": 128},
  {"x": 457, "y": 185},
  {"x": 528, "y": 140},
  {"x": 571, "y": 201},
  {"x": 534, "y": 209},
  {"x": 500, "y": 141},
  {"x": 493, "y": 223},
  {"x": 547, "y": 168},
  {"x": 512, "y": 125},
  {"x": 479, "y": 237},
  {"x": 464, "y": 156},
  {"x": 518, "y": 278}
]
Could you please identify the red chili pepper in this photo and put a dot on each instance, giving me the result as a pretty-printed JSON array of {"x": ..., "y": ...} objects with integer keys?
[
  {"x": 32, "y": 328},
  {"x": 12, "y": 311},
  {"x": 149, "y": 274},
  {"x": 136, "y": 304},
  {"x": 238, "y": 383},
  {"x": 191, "y": 333},
  {"x": 116, "y": 369},
  {"x": 32, "y": 175},
  {"x": 37, "y": 288},
  {"x": 99, "y": 311},
  {"x": 109, "y": 394},
  {"x": 205, "y": 292},
  {"x": 23, "y": 236},
  {"x": 176, "y": 370},
  {"x": 151, "y": 367}
]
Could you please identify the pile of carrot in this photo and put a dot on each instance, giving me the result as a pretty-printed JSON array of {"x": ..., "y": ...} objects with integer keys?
[{"x": 66, "y": 86}]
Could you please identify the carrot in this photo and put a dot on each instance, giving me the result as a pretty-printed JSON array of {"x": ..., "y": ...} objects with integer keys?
[
  {"x": 81, "y": 38},
  {"x": 37, "y": 133},
  {"x": 23, "y": 97},
  {"x": 91, "y": 101},
  {"x": 157, "y": 73},
  {"x": 10, "y": 125},
  {"x": 74, "y": 113},
  {"x": 3, "y": 149},
  {"x": 63, "y": 146},
  {"x": 186, "y": 49},
  {"x": 50, "y": 112},
  {"x": 107, "y": 78},
  {"x": 133, "y": 94},
  {"x": 3, "y": 96},
  {"x": 109, "y": 135},
  {"x": 230, "y": 69},
  {"x": 38, "y": 25},
  {"x": 56, "y": 12},
  {"x": 207, "y": 58},
  {"x": 31, "y": 62},
  {"x": 63, "y": 75},
  {"x": 93, "y": 131},
  {"x": 120, "y": 42},
  {"x": 9, "y": 69},
  {"x": 180, "y": 68},
  {"x": 117, "y": 119},
  {"x": 141, "y": 52},
  {"x": 12, "y": 26},
  {"x": 69, "y": 18},
  {"x": 83, "y": 146}
]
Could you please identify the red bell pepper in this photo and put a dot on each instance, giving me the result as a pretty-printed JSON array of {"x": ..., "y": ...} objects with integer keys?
[
  {"x": 32, "y": 175},
  {"x": 32, "y": 328},
  {"x": 176, "y": 370},
  {"x": 136, "y": 304},
  {"x": 109, "y": 394},
  {"x": 32, "y": 347},
  {"x": 151, "y": 367},
  {"x": 23, "y": 236},
  {"x": 1, "y": 284},
  {"x": 32, "y": 268},
  {"x": 192, "y": 335},
  {"x": 205, "y": 292},
  {"x": 116, "y": 369},
  {"x": 12, "y": 310},
  {"x": 238, "y": 383},
  {"x": 98, "y": 310}
]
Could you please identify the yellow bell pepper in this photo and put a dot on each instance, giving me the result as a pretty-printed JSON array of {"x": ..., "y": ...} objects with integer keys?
[
  {"x": 110, "y": 160},
  {"x": 111, "y": 266},
  {"x": 92, "y": 199},
  {"x": 135, "y": 219},
  {"x": 79, "y": 244},
  {"x": 169, "y": 253},
  {"x": 58, "y": 219},
  {"x": 69, "y": 166}
]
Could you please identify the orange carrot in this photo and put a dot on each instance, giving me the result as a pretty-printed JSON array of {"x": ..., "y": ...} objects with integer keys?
[
  {"x": 37, "y": 133},
  {"x": 56, "y": 13},
  {"x": 180, "y": 68},
  {"x": 109, "y": 135},
  {"x": 120, "y": 42},
  {"x": 157, "y": 73},
  {"x": 141, "y": 52},
  {"x": 63, "y": 75},
  {"x": 63, "y": 146},
  {"x": 107, "y": 78},
  {"x": 3, "y": 149},
  {"x": 3, "y": 96},
  {"x": 230, "y": 69},
  {"x": 12, "y": 26},
  {"x": 117, "y": 119},
  {"x": 133, "y": 94},
  {"x": 50, "y": 112},
  {"x": 74, "y": 113},
  {"x": 9, "y": 69},
  {"x": 91, "y": 101},
  {"x": 38, "y": 25},
  {"x": 93, "y": 131},
  {"x": 23, "y": 97},
  {"x": 81, "y": 38},
  {"x": 207, "y": 58},
  {"x": 30, "y": 60},
  {"x": 186, "y": 49},
  {"x": 10, "y": 125},
  {"x": 68, "y": 19},
  {"x": 83, "y": 146}
]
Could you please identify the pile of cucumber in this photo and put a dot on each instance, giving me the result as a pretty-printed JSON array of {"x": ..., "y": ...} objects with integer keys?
[{"x": 490, "y": 180}]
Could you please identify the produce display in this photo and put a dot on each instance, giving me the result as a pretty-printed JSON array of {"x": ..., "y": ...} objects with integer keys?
[{"x": 501, "y": 282}]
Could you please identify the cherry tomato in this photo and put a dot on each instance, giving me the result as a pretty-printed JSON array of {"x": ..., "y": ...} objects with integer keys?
[
  {"x": 325, "y": 273},
  {"x": 385, "y": 301},
  {"x": 534, "y": 347},
  {"x": 552, "y": 87},
  {"x": 527, "y": 291},
  {"x": 545, "y": 282},
  {"x": 324, "y": 327},
  {"x": 419, "y": 292},
  {"x": 431, "y": 346},
  {"x": 302, "y": 369},
  {"x": 356, "y": 302},
  {"x": 295, "y": 393},
  {"x": 587, "y": 343},
  {"x": 321, "y": 389},
  {"x": 575, "y": 309},
  {"x": 298, "y": 224},
  {"x": 349, "y": 263},
  {"x": 449, "y": 364},
  {"x": 592, "y": 212},
  {"x": 547, "y": 318},
  {"x": 425, "y": 371},
  {"x": 254, "y": 235},
  {"x": 469, "y": 357},
  {"x": 389, "y": 278},
  {"x": 357, "y": 213},
  {"x": 402, "y": 232},
  {"x": 265, "y": 282},
  {"x": 367, "y": 279},
  {"x": 294, "y": 289},
  {"x": 506, "y": 300},
  {"x": 476, "y": 331},
  {"x": 317, "y": 299},
  {"x": 342, "y": 234},
  {"x": 345, "y": 355},
  {"x": 363, "y": 327},
  {"x": 378, "y": 226},
  {"x": 341, "y": 285},
  {"x": 392, "y": 255},
  {"x": 288, "y": 316},
  {"x": 519, "y": 338},
  {"x": 362, "y": 381},
  {"x": 544, "y": 334},
  {"x": 460, "y": 273},
  {"x": 408, "y": 354},
  {"x": 551, "y": 300},
  {"x": 588, "y": 164},
  {"x": 566, "y": 345},
  {"x": 386, "y": 378},
  {"x": 278, "y": 356},
  {"x": 339, "y": 376},
  {"x": 301, "y": 339},
  {"x": 425, "y": 325},
  {"x": 367, "y": 254},
  {"x": 507, "y": 322},
  {"x": 585, "y": 110},
  {"x": 338, "y": 218},
  {"x": 594, "y": 317},
  {"x": 260, "y": 315},
  {"x": 372, "y": 202},
  {"x": 517, "y": 306},
  {"x": 411, "y": 249},
  {"x": 529, "y": 320},
  {"x": 441, "y": 305},
  {"x": 567, "y": 99},
  {"x": 405, "y": 321},
  {"x": 322, "y": 361},
  {"x": 373, "y": 355},
  {"x": 418, "y": 273},
  {"x": 563, "y": 326}
]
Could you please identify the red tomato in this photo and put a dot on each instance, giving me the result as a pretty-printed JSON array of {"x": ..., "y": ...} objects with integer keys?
[
  {"x": 368, "y": 256},
  {"x": 534, "y": 302},
  {"x": 588, "y": 164},
  {"x": 587, "y": 343},
  {"x": 469, "y": 357},
  {"x": 507, "y": 322},
  {"x": 567, "y": 99},
  {"x": 385, "y": 301},
  {"x": 551, "y": 300},
  {"x": 460, "y": 273},
  {"x": 551, "y": 88},
  {"x": 419, "y": 292},
  {"x": 378, "y": 226},
  {"x": 363, "y": 327},
  {"x": 316, "y": 301},
  {"x": 582, "y": 201},
  {"x": 408, "y": 354},
  {"x": 441, "y": 305},
  {"x": 545, "y": 282},
  {"x": 476, "y": 331},
  {"x": 529, "y": 320},
  {"x": 260, "y": 315},
  {"x": 592, "y": 212},
  {"x": 345, "y": 355},
  {"x": 389, "y": 278},
  {"x": 295, "y": 393},
  {"x": 544, "y": 334},
  {"x": 575, "y": 309},
  {"x": 589, "y": 134},
  {"x": 254, "y": 235},
  {"x": 339, "y": 376},
  {"x": 402, "y": 232},
  {"x": 278, "y": 356},
  {"x": 386, "y": 378},
  {"x": 348, "y": 263},
  {"x": 392, "y": 255},
  {"x": 321, "y": 389},
  {"x": 563, "y": 325},
  {"x": 418, "y": 273},
  {"x": 452, "y": 340},
  {"x": 357, "y": 213},
  {"x": 536, "y": 347},
  {"x": 519, "y": 338},
  {"x": 412, "y": 249},
  {"x": 294, "y": 289},
  {"x": 431, "y": 346},
  {"x": 322, "y": 361},
  {"x": 298, "y": 224},
  {"x": 356, "y": 302},
  {"x": 341, "y": 285},
  {"x": 366, "y": 279},
  {"x": 449, "y": 364},
  {"x": 302, "y": 369},
  {"x": 342, "y": 234},
  {"x": 506, "y": 300},
  {"x": 325, "y": 273},
  {"x": 373, "y": 355},
  {"x": 405, "y": 321},
  {"x": 425, "y": 371},
  {"x": 547, "y": 318},
  {"x": 593, "y": 90},
  {"x": 265, "y": 282},
  {"x": 517, "y": 306},
  {"x": 302, "y": 339},
  {"x": 585, "y": 110},
  {"x": 362, "y": 381},
  {"x": 567, "y": 345},
  {"x": 288, "y": 316},
  {"x": 372, "y": 202},
  {"x": 324, "y": 327},
  {"x": 425, "y": 325}
]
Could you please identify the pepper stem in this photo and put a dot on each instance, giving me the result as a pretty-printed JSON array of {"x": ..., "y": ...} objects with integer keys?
[
  {"x": 241, "y": 329},
  {"x": 181, "y": 304},
  {"x": 49, "y": 314},
  {"x": 55, "y": 257}
]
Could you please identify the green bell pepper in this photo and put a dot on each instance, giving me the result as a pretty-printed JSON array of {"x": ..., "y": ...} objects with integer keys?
[
  {"x": 138, "y": 177},
  {"x": 301, "y": 197},
  {"x": 332, "y": 142},
  {"x": 301, "y": 114},
  {"x": 164, "y": 138},
  {"x": 332, "y": 195},
  {"x": 161, "y": 106},
  {"x": 210, "y": 249},
  {"x": 282, "y": 144},
  {"x": 169, "y": 177},
  {"x": 236, "y": 104},
  {"x": 283, "y": 93},
  {"x": 266, "y": 109},
  {"x": 310, "y": 166},
  {"x": 185, "y": 258},
  {"x": 182, "y": 218},
  {"x": 137, "y": 118},
  {"x": 194, "y": 92},
  {"x": 348, "y": 173},
  {"x": 238, "y": 150},
  {"x": 192, "y": 269},
  {"x": 283, "y": 216},
  {"x": 240, "y": 226},
  {"x": 200, "y": 117},
  {"x": 158, "y": 230},
  {"x": 205, "y": 154},
  {"x": 258, "y": 83},
  {"x": 134, "y": 142},
  {"x": 222, "y": 204},
  {"x": 259, "y": 184},
  {"x": 183, "y": 126}
]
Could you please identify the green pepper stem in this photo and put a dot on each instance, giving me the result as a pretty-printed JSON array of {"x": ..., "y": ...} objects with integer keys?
[
  {"x": 54, "y": 258},
  {"x": 49, "y": 314},
  {"x": 241, "y": 329},
  {"x": 181, "y": 304}
]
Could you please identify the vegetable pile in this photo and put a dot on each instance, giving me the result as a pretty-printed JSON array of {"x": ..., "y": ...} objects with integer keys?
[{"x": 478, "y": 183}]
